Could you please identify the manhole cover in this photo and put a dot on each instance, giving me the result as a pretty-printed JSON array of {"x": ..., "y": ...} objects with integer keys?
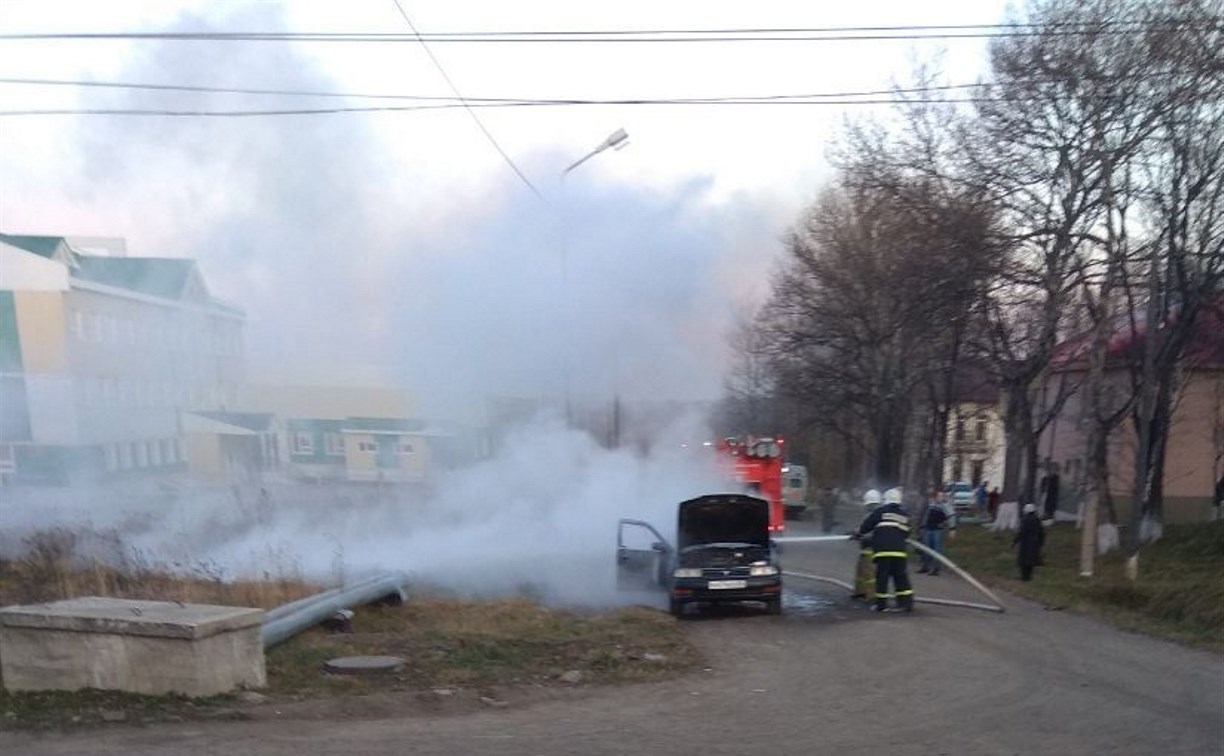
[{"x": 363, "y": 665}]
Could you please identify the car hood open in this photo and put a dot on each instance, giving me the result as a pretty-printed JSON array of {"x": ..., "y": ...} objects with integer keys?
[{"x": 723, "y": 518}]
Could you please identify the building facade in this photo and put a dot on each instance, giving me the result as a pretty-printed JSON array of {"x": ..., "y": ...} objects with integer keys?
[
  {"x": 975, "y": 445},
  {"x": 100, "y": 354},
  {"x": 360, "y": 449},
  {"x": 1194, "y": 453}
]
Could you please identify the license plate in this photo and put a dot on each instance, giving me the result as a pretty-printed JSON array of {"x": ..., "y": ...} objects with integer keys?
[{"x": 716, "y": 585}]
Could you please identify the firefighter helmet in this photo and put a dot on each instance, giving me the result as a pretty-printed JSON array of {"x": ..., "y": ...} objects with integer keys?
[
  {"x": 871, "y": 499},
  {"x": 892, "y": 496}
]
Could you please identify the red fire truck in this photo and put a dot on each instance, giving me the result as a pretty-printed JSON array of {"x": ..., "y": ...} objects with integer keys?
[{"x": 757, "y": 463}]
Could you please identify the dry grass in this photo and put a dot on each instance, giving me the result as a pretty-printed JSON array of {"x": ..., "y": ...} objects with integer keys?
[
  {"x": 54, "y": 568},
  {"x": 447, "y": 642}
]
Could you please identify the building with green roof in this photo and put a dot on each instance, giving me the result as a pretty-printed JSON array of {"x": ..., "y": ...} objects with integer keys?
[{"x": 101, "y": 353}]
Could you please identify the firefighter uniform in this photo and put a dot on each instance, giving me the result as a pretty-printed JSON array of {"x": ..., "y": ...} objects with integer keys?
[
  {"x": 864, "y": 573},
  {"x": 889, "y": 528},
  {"x": 864, "y": 569}
]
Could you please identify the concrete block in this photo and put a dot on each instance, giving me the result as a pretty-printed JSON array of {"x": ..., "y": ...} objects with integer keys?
[{"x": 151, "y": 647}]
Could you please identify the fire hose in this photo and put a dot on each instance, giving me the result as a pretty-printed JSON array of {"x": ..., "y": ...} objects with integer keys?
[{"x": 996, "y": 607}]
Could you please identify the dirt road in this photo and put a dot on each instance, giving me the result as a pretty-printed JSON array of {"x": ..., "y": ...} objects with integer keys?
[{"x": 826, "y": 677}]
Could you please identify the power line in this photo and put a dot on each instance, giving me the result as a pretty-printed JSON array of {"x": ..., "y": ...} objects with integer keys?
[
  {"x": 806, "y": 34},
  {"x": 872, "y": 96},
  {"x": 473, "y": 105},
  {"x": 521, "y": 100},
  {"x": 471, "y": 112}
]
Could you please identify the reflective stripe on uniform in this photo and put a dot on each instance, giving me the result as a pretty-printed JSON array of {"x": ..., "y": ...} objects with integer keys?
[
  {"x": 884, "y": 595},
  {"x": 893, "y": 525},
  {"x": 900, "y": 554},
  {"x": 905, "y": 593}
]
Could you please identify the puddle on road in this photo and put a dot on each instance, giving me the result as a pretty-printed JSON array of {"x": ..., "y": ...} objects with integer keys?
[{"x": 806, "y": 604}]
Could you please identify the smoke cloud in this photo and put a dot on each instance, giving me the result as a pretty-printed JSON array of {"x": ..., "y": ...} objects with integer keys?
[
  {"x": 539, "y": 517},
  {"x": 346, "y": 246}
]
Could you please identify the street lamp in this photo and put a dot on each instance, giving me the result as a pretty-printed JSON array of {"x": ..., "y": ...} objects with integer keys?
[{"x": 616, "y": 140}]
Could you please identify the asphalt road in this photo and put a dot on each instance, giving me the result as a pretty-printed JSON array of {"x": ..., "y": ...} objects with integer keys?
[{"x": 827, "y": 677}]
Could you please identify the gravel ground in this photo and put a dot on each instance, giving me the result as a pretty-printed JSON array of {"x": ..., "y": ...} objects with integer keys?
[{"x": 826, "y": 677}]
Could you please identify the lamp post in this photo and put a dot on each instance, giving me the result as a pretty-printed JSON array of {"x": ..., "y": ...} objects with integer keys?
[{"x": 616, "y": 140}]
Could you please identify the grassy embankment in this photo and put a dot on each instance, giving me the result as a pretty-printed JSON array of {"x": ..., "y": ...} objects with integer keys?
[
  {"x": 447, "y": 643},
  {"x": 1179, "y": 594}
]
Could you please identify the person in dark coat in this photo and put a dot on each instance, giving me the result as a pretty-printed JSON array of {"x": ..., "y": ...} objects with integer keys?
[
  {"x": 1030, "y": 538},
  {"x": 934, "y": 524},
  {"x": 992, "y": 502}
]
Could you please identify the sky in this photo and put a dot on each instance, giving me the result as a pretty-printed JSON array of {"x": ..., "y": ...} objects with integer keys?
[{"x": 403, "y": 243}]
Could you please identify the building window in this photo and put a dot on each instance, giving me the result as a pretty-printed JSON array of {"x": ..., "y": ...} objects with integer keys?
[
  {"x": 367, "y": 446},
  {"x": 957, "y": 468},
  {"x": 960, "y": 430},
  {"x": 334, "y": 442},
  {"x": 125, "y": 456},
  {"x": 406, "y": 448},
  {"x": 979, "y": 430},
  {"x": 140, "y": 453},
  {"x": 978, "y": 469},
  {"x": 303, "y": 443}
]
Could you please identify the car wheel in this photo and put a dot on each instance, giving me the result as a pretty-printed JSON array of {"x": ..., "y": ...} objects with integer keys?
[
  {"x": 774, "y": 606},
  {"x": 676, "y": 608}
]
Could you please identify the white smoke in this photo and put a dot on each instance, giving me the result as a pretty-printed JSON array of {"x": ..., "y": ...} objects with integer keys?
[{"x": 541, "y": 516}]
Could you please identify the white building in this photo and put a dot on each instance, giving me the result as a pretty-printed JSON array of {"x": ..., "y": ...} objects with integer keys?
[{"x": 99, "y": 355}]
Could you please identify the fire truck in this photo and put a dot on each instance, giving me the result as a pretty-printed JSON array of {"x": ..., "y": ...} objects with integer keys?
[{"x": 757, "y": 463}]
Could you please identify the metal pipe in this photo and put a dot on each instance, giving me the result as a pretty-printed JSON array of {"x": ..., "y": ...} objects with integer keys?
[
  {"x": 309, "y": 612},
  {"x": 293, "y": 606}
]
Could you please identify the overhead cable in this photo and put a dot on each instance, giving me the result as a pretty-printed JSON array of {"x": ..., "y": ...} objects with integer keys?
[
  {"x": 467, "y": 107},
  {"x": 453, "y": 105},
  {"x": 804, "y": 34}
]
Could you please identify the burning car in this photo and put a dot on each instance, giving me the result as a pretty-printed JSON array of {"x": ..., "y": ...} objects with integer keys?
[{"x": 722, "y": 553}]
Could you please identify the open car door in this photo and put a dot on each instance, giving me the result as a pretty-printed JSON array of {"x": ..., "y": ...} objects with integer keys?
[{"x": 643, "y": 556}]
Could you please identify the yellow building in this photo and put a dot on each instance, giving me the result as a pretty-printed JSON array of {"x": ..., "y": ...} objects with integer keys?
[{"x": 363, "y": 449}]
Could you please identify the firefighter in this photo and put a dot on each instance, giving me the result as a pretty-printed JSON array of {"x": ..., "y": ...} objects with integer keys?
[
  {"x": 864, "y": 571},
  {"x": 889, "y": 528}
]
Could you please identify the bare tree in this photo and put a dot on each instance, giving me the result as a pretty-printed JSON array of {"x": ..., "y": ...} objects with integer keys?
[
  {"x": 1182, "y": 166},
  {"x": 749, "y": 404},
  {"x": 1036, "y": 149},
  {"x": 870, "y": 305}
]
